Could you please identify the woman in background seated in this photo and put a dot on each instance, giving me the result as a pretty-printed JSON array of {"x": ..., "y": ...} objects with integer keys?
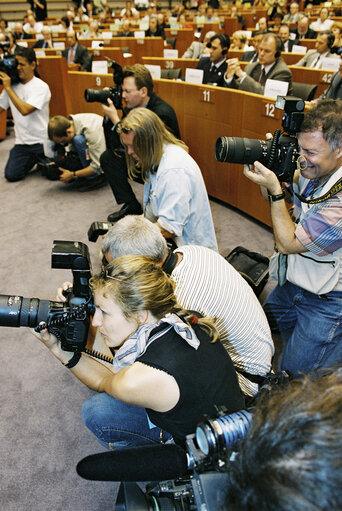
[
  {"x": 239, "y": 41},
  {"x": 336, "y": 29},
  {"x": 168, "y": 369}
]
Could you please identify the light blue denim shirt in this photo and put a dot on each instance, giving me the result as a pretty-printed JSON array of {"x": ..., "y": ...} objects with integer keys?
[{"x": 176, "y": 197}]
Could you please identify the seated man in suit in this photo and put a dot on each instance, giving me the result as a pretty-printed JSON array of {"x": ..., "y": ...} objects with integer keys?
[
  {"x": 269, "y": 66},
  {"x": 284, "y": 34},
  {"x": 334, "y": 91},
  {"x": 303, "y": 31},
  {"x": 252, "y": 55},
  {"x": 215, "y": 66},
  {"x": 47, "y": 42},
  {"x": 154, "y": 30},
  {"x": 75, "y": 53},
  {"x": 19, "y": 32},
  {"x": 294, "y": 15},
  {"x": 197, "y": 48},
  {"x": 323, "y": 45}
]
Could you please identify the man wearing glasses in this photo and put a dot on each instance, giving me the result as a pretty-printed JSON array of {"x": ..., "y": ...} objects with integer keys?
[{"x": 137, "y": 91}]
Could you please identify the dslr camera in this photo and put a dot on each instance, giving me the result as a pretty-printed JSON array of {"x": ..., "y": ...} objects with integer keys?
[
  {"x": 8, "y": 64},
  {"x": 69, "y": 320},
  {"x": 113, "y": 93},
  {"x": 208, "y": 451},
  {"x": 280, "y": 154}
]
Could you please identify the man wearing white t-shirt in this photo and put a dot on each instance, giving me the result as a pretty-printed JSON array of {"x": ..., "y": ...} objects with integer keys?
[{"x": 29, "y": 103}]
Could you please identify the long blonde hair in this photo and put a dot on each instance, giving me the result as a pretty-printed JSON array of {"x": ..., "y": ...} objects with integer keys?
[
  {"x": 136, "y": 284},
  {"x": 150, "y": 135}
]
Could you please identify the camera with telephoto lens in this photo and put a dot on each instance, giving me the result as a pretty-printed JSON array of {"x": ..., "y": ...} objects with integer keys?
[
  {"x": 8, "y": 63},
  {"x": 210, "y": 450},
  {"x": 280, "y": 154},
  {"x": 113, "y": 93},
  {"x": 69, "y": 320}
]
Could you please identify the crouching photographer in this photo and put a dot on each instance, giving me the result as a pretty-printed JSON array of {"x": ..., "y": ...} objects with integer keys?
[
  {"x": 167, "y": 370},
  {"x": 305, "y": 307},
  {"x": 79, "y": 141}
]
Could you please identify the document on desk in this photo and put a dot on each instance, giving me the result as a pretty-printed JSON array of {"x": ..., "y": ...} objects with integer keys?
[{"x": 274, "y": 88}]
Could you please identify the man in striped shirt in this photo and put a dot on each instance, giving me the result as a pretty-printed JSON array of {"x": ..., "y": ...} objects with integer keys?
[
  {"x": 306, "y": 305},
  {"x": 207, "y": 283}
]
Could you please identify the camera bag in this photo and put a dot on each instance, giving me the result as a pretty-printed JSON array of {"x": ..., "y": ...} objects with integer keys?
[{"x": 252, "y": 266}]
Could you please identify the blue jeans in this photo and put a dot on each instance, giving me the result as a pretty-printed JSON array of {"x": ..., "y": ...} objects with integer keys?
[
  {"x": 81, "y": 147},
  {"x": 117, "y": 425},
  {"x": 22, "y": 159},
  {"x": 310, "y": 326}
]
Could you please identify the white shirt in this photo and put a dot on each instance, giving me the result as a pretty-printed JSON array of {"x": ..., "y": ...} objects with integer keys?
[
  {"x": 319, "y": 25},
  {"x": 32, "y": 128},
  {"x": 207, "y": 283}
]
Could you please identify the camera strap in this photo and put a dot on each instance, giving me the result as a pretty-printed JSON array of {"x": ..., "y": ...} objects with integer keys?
[
  {"x": 330, "y": 193},
  {"x": 170, "y": 262}
]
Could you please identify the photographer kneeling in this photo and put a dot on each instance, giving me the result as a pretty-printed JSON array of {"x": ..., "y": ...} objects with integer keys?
[
  {"x": 168, "y": 369},
  {"x": 306, "y": 305}
]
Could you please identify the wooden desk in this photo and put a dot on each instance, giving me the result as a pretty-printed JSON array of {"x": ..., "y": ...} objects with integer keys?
[
  {"x": 184, "y": 38},
  {"x": 170, "y": 63},
  {"x": 320, "y": 77},
  {"x": 54, "y": 71},
  {"x": 148, "y": 46}
]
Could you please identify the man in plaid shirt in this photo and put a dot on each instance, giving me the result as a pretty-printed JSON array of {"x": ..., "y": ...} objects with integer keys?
[{"x": 306, "y": 305}]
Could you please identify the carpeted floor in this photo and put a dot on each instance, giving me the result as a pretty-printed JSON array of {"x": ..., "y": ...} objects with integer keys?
[{"x": 42, "y": 436}]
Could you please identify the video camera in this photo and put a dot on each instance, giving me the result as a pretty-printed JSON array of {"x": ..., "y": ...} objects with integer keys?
[
  {"x": 113, "y": 93},
  {"x": 195, "y": 479},
  {"x": 280, "y": 154},
  {"x": 69, "y": 320},
  {"x": 8, "y": 64}
]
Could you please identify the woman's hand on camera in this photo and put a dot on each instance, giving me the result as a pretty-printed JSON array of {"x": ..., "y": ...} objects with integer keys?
[
  {"x": 53, "y": 344},
  {"x": 66, "y": 286}
]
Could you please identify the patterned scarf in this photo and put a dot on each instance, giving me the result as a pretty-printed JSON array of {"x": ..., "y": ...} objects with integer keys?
[{"x": 138, "y": 343}]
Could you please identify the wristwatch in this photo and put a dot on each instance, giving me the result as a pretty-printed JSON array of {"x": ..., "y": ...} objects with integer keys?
[{"x": 275, "y": 198}]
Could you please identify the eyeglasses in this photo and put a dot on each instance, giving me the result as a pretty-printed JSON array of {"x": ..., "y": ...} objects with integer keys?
[{"x": 105, "y": 275}]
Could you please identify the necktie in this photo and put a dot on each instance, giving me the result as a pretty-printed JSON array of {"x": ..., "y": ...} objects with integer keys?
[
  {"x": 71, "y": 55},
  {"x": 262, "y": 76},
  {"x": 316, "y": 62}
]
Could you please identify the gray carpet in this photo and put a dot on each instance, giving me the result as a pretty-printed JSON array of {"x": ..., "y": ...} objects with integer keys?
[{"x": 42, "y": 435}]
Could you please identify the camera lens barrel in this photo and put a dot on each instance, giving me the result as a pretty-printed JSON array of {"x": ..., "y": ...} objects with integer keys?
[
  {"x": 16, "y": 311},
  {"x": 240, "y": 150},
  {"x": 214, "y": 436}
]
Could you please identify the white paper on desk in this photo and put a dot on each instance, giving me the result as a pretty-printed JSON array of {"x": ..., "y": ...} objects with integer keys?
[
  {"x": 274, "y": 88},
  {"x": 170, "y": 54},
  {"x": 193, "y": 75},
  {"x": 292, "y": 36},
  {"x": 39, "y": 53},
  {"x": 330, "y": 63},
  {"x": 59, "y": 45},
  {"x": 100, "y": 67},
  {"x": 97, "y": 44},
  {"x": 22, "y": 43},
  {"x": 127, "y": 55},
  {"x": 139, "y": 34},
  {"x": 106, "y": 35},
  {"x": 154, "y": 70},
  {"x": 296, "y": 48}
]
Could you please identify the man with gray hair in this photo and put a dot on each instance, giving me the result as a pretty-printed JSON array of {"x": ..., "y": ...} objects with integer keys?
[
  {"x": 207, "y": 283},
  {"x": 197, "y": 49}
]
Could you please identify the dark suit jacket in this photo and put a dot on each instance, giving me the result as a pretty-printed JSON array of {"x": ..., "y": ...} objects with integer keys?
[
  {"x": 334, "y": 91},
  {"x": 291, "y": 42},
  {"x": 156, "y": 105},
  {"x": 279, "y": 71},
  {"x": 215, "y": 77},
  {"x": 311, "y": 34},
  {"x": 159, "y": 33},
  {"x": 40, "y": 43},
  {"x": 81, "y": 56},
  {"x": 249, "y": 55},
  {"x": 24, "y": 35}
]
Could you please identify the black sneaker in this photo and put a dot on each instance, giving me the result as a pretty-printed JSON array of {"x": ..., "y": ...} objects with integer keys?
[{"x": 127, "y": 209}]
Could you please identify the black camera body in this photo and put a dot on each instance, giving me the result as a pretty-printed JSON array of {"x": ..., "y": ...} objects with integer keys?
[
  {"x": 113, "y": 93},
  {"x": 69, "y": 320},
  {"x": 209, "y": 451},
  {"x": 279, "y": 154},
  {"x": 8, "y": 64}
]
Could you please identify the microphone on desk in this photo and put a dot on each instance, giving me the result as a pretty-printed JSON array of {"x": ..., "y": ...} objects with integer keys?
[{"x": 143, "y": 463}]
